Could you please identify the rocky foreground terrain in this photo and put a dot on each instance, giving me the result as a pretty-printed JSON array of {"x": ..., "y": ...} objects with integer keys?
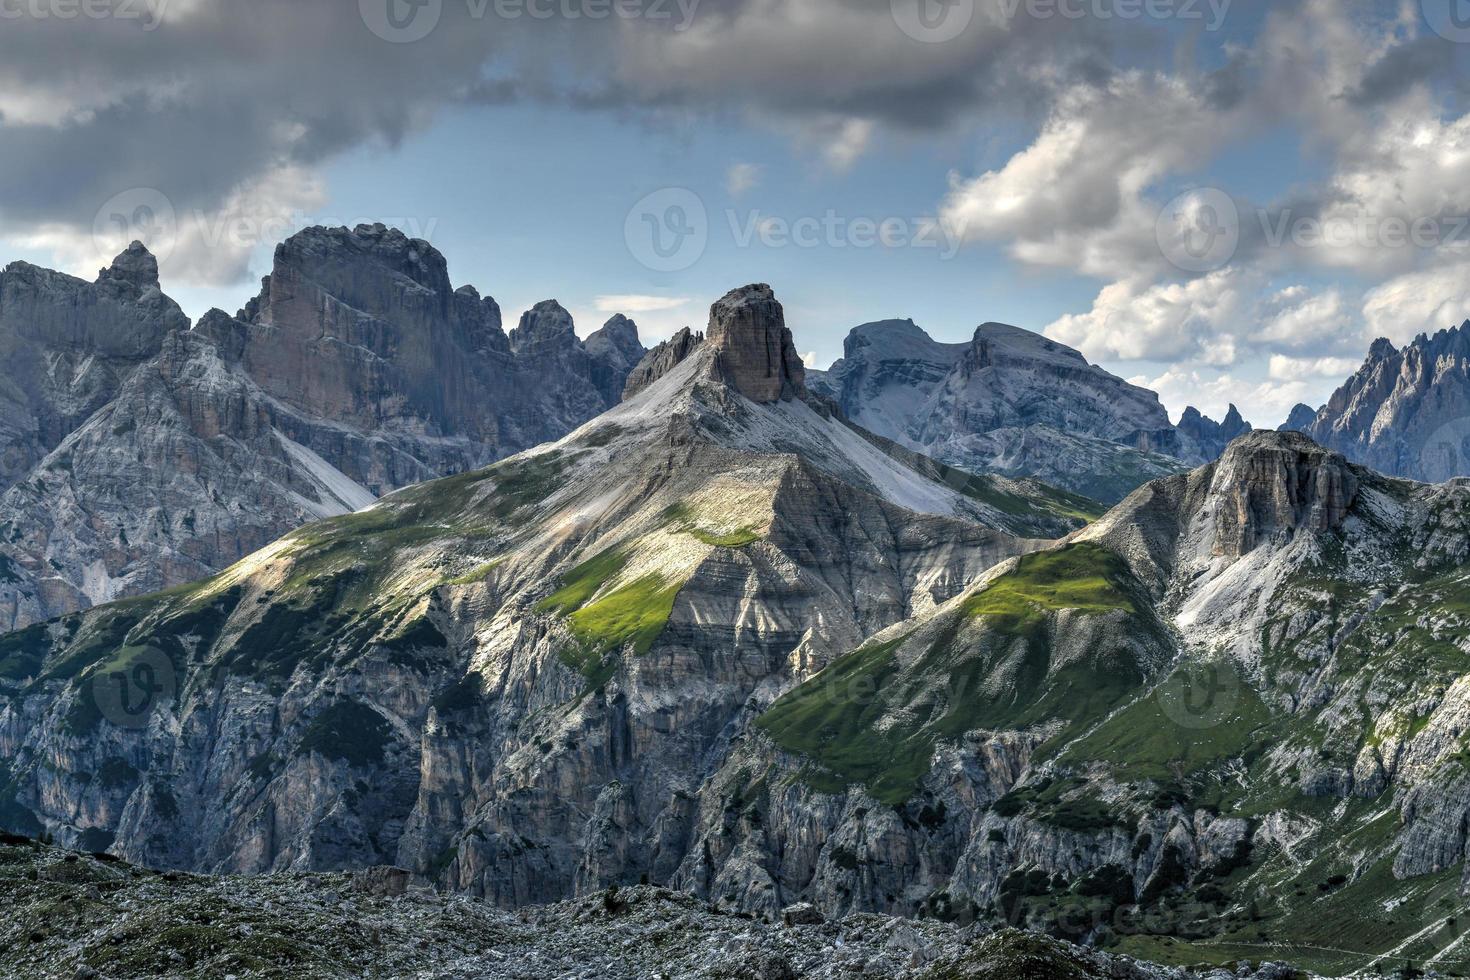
[{"x": 90, "y": 916}]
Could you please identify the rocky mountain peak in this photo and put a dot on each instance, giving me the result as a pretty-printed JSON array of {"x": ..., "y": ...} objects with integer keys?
[
  {"x": 1382, "y": 349},
  {"x": 135, "y": 265},
  {"x": 1300, "y": 419},
  {"x": 1405, "y": 411},
  {"x": 994, "y": 342},
  {"x": 617, "y": 340},
  {"x": 661, "y": 360},
  {"x": 547, "y": 324},
  {"x": 1270, "y": 482},
  {"x": 754, "y": 352}
]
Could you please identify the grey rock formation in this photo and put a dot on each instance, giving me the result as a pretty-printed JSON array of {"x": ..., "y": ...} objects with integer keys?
[
  {"x": 1405, "y": 412},
  {"x": 515, "y": 680},
  {"x": 1011, "y": 402},
  {"x": 751, "y": 652},
  {"x": 661, "y": 360},
  {"x": 1201, "y": 439},
  {"x": 615, "y": 351},
  {"x": 1271, "y": 483},
  {"x": 1300, "y": 419},
  {"x": 752, "y": 345},
  {"x": 142, "y": 455},
  {"x": 67, "y": 345}
]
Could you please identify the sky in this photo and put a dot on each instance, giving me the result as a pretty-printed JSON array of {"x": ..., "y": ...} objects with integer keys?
[{"x": 1224, "y": 200}]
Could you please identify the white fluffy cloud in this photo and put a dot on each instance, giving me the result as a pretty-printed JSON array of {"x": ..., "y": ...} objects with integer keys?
[
  {"x": 1137, "y": 320},
  {"x": 1075, "y": 198},
  {"x": 633, "y": 303},
  {"x": 1283, "y": 368},
  {"x": 741, "y": 177},
  {"x": 1419, "y": 302}
]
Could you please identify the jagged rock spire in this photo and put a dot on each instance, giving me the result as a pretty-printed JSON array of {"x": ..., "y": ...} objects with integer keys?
[{"x": 135, "y": 265}]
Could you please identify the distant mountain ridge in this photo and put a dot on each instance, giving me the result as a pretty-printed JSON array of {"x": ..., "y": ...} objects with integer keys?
[
  {"x": 1404, "y": 412},
  {"x": 1015, "y": 402},
  {"x": 139, "y": 454}
]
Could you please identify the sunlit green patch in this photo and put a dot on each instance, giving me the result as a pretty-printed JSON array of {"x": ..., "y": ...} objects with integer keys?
[{"x": 629, "y": 616}]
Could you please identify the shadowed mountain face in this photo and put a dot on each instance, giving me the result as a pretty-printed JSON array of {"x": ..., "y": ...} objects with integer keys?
[
  {"x": 1014, "y": 402},
  {"x": 140, "y": 454},
  {"x": 1405, "y": 412}
]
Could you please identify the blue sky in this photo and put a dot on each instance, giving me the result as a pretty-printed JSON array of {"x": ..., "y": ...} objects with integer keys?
[{"x": 1049, "y": 166}]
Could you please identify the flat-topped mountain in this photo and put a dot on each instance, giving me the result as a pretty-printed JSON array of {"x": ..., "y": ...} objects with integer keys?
[{"x": 1014, "y": 402}]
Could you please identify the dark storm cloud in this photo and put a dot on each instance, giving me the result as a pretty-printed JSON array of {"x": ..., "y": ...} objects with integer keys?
[
  {"x": 1410, "y": 64},
  {"x": 220, "y": 93}
]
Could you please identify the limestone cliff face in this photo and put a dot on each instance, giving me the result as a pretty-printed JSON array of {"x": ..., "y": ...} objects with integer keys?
[
  {"x": 1406, "y": 412},
  {"x": 144, "y": 454},
  {"x": 1273, "y": 483},
  {"x": 744, "y": 650},
  {"x": 67, "y": 345},
  {"x": 514, "y": 681},
  {"x": 753, "y": 347}
]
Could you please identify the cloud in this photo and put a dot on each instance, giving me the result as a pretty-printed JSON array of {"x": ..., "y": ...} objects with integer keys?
[
  {"x": 210, "y": 103},
  {"x": 1076, "y": 197},
  {"x": 1265, "y": 404},
  {"x": 741, "y": 177},
  {"x": 1283, "y": 368},
  {"x": 634, "y": 303},
  {"x": 1296, "y": 319},
  {"x": 847, "y": 143},
  {"x": 1137, "y": 320},
  {"x": 1419, "y": 302}
]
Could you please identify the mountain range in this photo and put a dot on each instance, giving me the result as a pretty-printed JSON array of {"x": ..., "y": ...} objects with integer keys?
[
  {"x": 357, "y": 578},
  {"x": 1405, "y": 412},
  {"x": 722, "y": 639},
  {"x": 137, "y": 453},
  {"x": 1014, "y": 402}
]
